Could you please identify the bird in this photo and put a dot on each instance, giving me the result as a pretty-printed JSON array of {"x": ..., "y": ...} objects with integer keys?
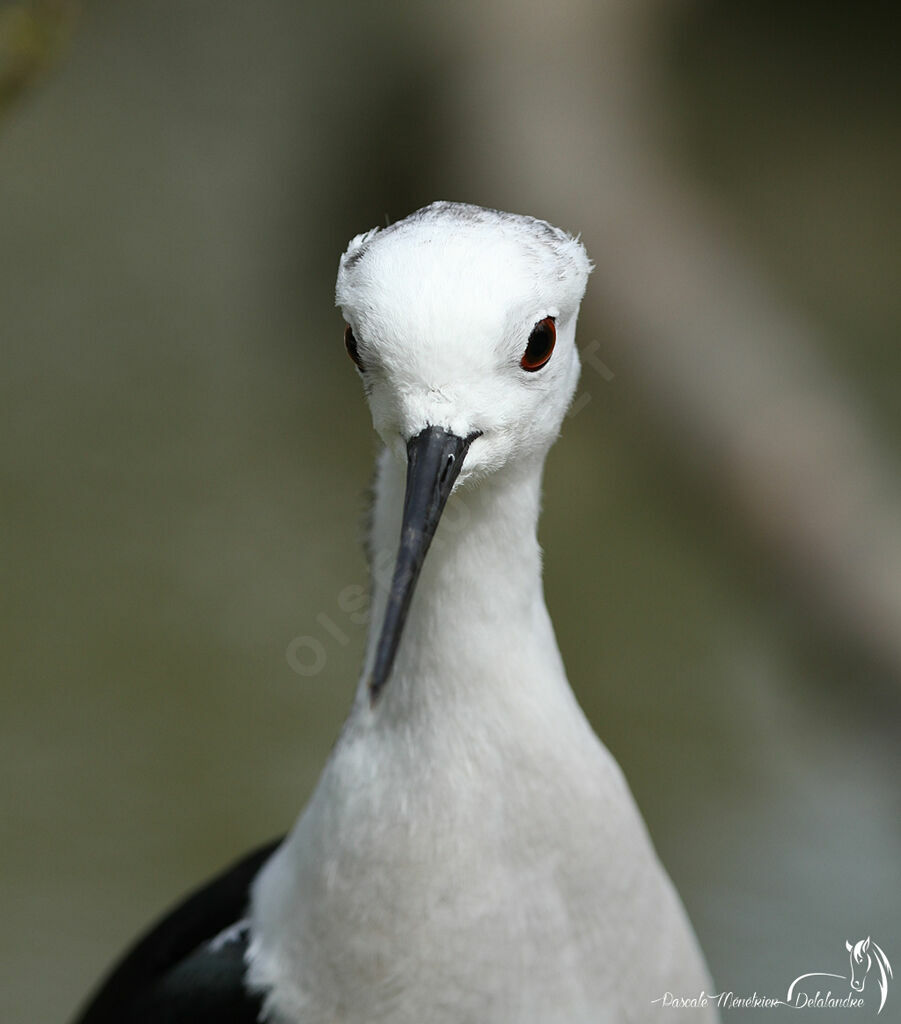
[{"x": 472, "y": 853}]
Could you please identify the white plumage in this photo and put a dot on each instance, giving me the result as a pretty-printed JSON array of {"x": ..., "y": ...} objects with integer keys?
[{"x": 472, "y": 852}]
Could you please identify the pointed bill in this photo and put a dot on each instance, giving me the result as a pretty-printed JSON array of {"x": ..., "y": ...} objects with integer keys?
[{"x": 434, "y": 460}]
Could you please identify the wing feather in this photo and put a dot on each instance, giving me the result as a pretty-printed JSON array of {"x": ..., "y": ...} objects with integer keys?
[{"x": 189, "y": 966}]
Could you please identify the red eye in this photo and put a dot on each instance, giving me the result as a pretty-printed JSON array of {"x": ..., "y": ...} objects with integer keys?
[
  {"x": 350, "y": 343},
  {"x": 540, "y": 346}
]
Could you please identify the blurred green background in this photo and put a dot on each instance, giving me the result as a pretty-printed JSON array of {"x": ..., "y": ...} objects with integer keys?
[{"x": 185, "y": 451}]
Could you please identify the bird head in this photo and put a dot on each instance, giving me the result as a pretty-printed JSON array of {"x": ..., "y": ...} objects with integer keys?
[{"x": 461, "y": 322}]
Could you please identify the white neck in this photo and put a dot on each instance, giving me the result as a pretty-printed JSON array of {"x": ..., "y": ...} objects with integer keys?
[
  {"x": 471, "y": 851},
  {"x": 478, "y": 629}
]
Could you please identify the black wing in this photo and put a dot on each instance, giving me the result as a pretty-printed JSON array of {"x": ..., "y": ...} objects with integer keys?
[{"x": 185, "y": 969}]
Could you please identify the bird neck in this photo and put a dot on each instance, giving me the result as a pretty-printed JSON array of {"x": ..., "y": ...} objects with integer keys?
[{"x": 478, "y": 629}]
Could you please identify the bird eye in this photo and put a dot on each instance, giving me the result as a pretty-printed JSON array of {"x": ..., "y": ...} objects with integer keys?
[
  {"x": 540, "y": 346},
  {"x": 350, "y": 343}
]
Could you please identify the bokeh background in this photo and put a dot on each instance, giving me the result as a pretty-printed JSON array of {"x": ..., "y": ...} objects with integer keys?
[{"x": 185, "y": 452}]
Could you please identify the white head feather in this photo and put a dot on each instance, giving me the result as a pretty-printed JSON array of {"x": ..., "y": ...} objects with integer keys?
[{"x": 442, "y": 304}]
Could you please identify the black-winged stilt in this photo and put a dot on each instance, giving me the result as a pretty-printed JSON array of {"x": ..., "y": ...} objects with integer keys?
[{"x": 471, "y": 852}]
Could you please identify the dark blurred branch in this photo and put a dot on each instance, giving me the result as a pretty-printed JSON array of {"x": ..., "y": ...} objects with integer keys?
[
  {"x": 32, "y": 38},
  {"x": 565, "y": 112}
]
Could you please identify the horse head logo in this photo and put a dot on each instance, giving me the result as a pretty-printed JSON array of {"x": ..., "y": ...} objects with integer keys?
[
  {"x": 861, "y": 962},
  {"x": 863, "y": 955}
]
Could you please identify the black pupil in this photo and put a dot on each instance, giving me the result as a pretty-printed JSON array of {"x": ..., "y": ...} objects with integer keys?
[
  {"x": 539, "y": 344},
  {"x": 350, "y": 343}
]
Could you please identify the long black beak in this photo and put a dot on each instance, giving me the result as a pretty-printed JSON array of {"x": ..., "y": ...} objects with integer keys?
[{"x": 434, "y": 459}]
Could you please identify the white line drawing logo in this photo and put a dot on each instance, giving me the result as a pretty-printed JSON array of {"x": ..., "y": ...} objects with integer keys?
[{"x": 863, "y": 955}]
